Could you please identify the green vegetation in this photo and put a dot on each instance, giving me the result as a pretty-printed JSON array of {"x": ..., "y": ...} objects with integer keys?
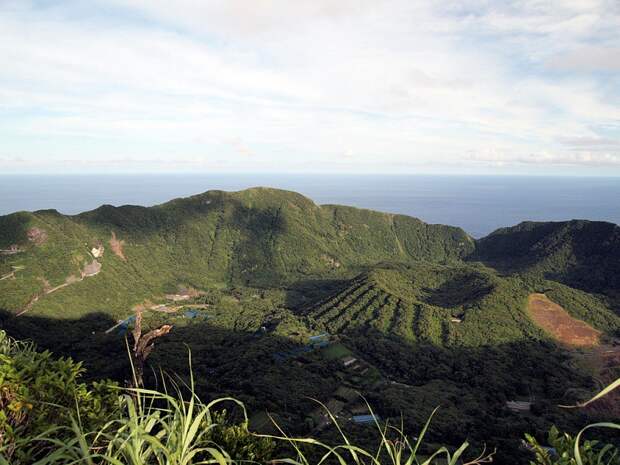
[
  {"x": 562, "y": 447},
  {"x": 38, "y": 391},
  {"x": 581, "y": 254},
  {"x": 172, "y": 426},
  {"x": 430, "y": 316},
  {"x": 258, "y": 237}
]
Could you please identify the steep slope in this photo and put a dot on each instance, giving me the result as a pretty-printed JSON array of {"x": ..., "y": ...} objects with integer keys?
[
  {"x": 260, "y": 237},
  {"x": 455, "y": 305},
  {"x": 581, "y": 254},
  {"x": 424, "y": 303}
]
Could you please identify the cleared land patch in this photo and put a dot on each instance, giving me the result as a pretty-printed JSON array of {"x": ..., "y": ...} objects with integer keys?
[
  {"x": 556, "y": 321},
  {"x": 117, "y": 246}
]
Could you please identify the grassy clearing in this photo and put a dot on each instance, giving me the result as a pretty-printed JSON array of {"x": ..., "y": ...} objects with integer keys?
[{"x": 336, "y": 351}]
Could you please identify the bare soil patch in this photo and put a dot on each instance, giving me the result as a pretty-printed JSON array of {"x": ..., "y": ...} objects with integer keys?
[
  {"x": 558, "y": 323},
  {"x": 91, "y": 269},
  {"x": 37, "y": 236},
  {"x": 117, "y": 246}
]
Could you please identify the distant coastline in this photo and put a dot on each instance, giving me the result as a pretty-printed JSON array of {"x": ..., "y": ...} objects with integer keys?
[{"x": 478, "y": 204}]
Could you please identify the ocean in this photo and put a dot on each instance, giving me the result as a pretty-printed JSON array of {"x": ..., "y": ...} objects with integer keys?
[{"x": 478, "y": 204}]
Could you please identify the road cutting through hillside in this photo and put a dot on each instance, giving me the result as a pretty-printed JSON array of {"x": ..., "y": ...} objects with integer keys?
[
  {"x": 163, "y": 308},
  {"x": 558, "y": 323},
  {"x": 89, "y": 270},
  {"x": 7, "y": 276}
]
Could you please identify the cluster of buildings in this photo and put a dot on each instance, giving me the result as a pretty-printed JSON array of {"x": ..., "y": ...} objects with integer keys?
[{"x": 346, "y": 402}]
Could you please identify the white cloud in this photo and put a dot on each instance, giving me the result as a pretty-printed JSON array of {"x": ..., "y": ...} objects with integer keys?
[{"x": 321, "y": 84}]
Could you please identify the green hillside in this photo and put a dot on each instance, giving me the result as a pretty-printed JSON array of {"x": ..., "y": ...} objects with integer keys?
[
  {"x": 582, "y": 254},
  {"x": 258, "y": 237},
  {"x": 431, "y": 316},
  {"x": 457, "y": 305}
]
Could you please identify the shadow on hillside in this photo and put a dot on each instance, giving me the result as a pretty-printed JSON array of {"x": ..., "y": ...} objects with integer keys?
[
  {"x": 580, "y": 254},
  {"x": 82, "y": 339},
  {"x": 225, "y": 362},
  {"x": 470, "y": 384},
  {"x": 461, "y": 289},
  {"x": 308, "y": 293}
]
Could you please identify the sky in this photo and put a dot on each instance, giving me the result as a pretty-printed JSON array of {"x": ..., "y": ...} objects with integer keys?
[{"x": 321, "y": 86}]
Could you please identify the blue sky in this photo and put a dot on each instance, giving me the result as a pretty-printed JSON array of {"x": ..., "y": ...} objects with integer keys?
[{"x": 351, "y": 86}]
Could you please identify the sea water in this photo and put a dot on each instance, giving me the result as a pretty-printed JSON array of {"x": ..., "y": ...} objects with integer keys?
[{"x": 478, "y": 204}]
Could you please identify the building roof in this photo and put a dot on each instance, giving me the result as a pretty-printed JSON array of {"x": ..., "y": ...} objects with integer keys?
[
  {"x": 365, "y": 418},
  {"x": 518, "y": 405}
]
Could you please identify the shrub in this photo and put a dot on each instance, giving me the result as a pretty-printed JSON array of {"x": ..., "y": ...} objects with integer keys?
[
  {"x": 562, "y": 447},
  {"x": 38, "y": 391}
]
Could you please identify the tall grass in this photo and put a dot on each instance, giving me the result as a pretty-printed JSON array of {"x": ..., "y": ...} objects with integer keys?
[
  {"x": 172, "y": 426},
  {"x": 395, "y": 448},
  {"x": 163, "y": 429}
]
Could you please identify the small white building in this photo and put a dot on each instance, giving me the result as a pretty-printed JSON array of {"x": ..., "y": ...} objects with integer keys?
[
  {"x": 348, "y": 361},
  {"x": 97, "y": 251},
  {"x": 518, "y": 406}
]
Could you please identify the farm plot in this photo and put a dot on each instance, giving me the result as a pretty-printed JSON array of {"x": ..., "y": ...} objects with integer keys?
[{"x": 556, "y": 321}]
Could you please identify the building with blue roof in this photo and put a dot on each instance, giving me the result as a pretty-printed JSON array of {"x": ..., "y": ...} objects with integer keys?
[{"x": 365, "y": 418}]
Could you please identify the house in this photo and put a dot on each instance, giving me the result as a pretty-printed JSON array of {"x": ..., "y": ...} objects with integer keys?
[
  {"x": 192, "y": 313},
  {"x": 97, "y": 251},
  {"x": 358, "y": 367},
  {"x": 518, "y": 406},
  {"x": 320, "y": 340},
  {"x": 177, "y": 297},
  {"x": 363, "y": 419},
  {"x": 456, "y": 320},
  {"x": 348, "y": 361},
  {"x": 123, "y": 326}
]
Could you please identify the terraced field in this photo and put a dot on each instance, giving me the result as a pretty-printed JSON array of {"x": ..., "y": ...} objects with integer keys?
[
  {"x": 366, "y": 305},
  {"x": 440, "y": 305}
]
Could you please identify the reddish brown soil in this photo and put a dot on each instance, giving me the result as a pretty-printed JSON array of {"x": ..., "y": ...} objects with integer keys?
[
  {"x": 117, "y": 247},
  {"x": 558, "y": 323},
  {"x": 37, "y": 236}
]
